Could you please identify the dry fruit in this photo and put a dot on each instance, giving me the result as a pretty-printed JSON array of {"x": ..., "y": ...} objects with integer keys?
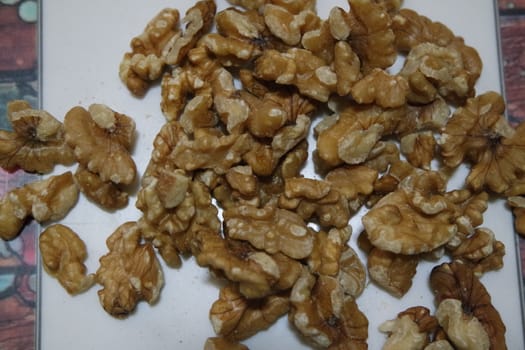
[
  {"x": 37, "y": 141},
  {"x": 129, "y": 272},
  {"x": 63, "y": 254},
  {"x": 44, "y": 200}
]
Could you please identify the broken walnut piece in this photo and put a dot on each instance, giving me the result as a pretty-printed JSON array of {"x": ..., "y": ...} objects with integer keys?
[
  {"x": 412, "y": 29},
  {"x": 146, "y": 62},
  {"x": 381, "y": 88},
  {"x": 310, "y": 74},
  {"x": 258, "y": 274},
  {"x": 198, "y": 20},
  {"x": 101, "y": 142},
  {"x": 479, "y": 133},
  {"x": 517, "y": 203},
  {"x": 44, "y": 200},
  {"x": 37, "y": 141},
  {"x": 467, "y": 299},
  {"x": 433, "y": 70},
  {"x": 129, "y": 272},
  {"x": 106, "y": 194},
  {"x": 393, "y": 272},
  {"x": 324, "y": 315},
  {"x": 63, "y": 254},
  {"x": 412, "y": 329},
  {"x": 271, "y": 229},
  {"x": 371, "y": 35},
  {"x": 315, "y": 198},
  {"x": 235, "y": 318}
]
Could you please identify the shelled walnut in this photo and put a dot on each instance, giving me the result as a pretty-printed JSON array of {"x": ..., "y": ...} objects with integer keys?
[
  {"x": 129, "y": 272},
  {"x": 63, "y": 254},
  {"x": 37, "y": 141},
  {"x": 43, "y": 200}
]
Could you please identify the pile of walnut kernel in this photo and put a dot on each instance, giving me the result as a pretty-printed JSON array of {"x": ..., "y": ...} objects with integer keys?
[{"x": 390, "y": 142}]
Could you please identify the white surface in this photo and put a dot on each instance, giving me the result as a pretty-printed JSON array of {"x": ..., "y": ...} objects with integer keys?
[{"x": 83, "y": 42}]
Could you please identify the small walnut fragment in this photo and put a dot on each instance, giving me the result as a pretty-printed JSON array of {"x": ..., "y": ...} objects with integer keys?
[
  {"x": 44, "y": 200},
  {"x": 393, "y": 272},
  {"x": 371, "y": 34},
  {"x": 310, "y": 74},
  {"x": 198, "y": 20},
  {"x": 419, "y": 148},
  {"x": 146, "y": 62},
  {"x": 480, "y": 134},
  {"x": 63, "y": 254},
  {"x": 325, "y": 316},
  {"x": 101, "y": 140},
  {"x": 235, "y": 317},
  {"x": 466, "y": 299},
  {"x": 271, "y": 229},
  {"x": 129, "y": 272},
  {"x": 412, "y": 329},
  {"x": 37, "y": 141},
  {"x": 381, "y": 88},
  {"x": 517, "y": 203},
  {"x": 106, "y": 194},
  {"x": 311, "y": 198}
]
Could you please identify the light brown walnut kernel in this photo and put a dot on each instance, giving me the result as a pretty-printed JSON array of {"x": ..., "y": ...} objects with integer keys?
[
  {"x": 352, "y": 273},
  {"x": 416, "y": 218},
  {"x": 403, "y": 333},
  {"x": 517, "y": 203},
  {"x": 256, "y": 272},
  {"x": 315, "y": 198},
  {"x": 105, "y": 193},
  {"x": 326, "y": 254},
  {"x": 271, "y": 229},
  {"x": 457, "y": 281},
  {"x": 44, "y": 200},
  {"x": 353, "y": 182},
  {"x": 412, "y": 329},
  {"x": 288, "y": 26},
  {"x": 37, "y": 141},
  {"x": 63, "y": 254},
  {"x": 235, "y": 317},
  {"x": 248, "y": 4},
  {"x": 381, "y": 88},
  {"x": 412, "y": 29},
  {"x": 324, "y": 315},
  {"x": 480, "y": 134},
  {"x": 393, "y": 272},
  {"x": 431, "y": 70},
  {"x": 347, "y": 67},
  {"x": 198, "y": 19},
  {"x": 371, "y": 35},
  {"x": 102, "y": 145},
  {"x": 419, "y": 148},
  {"x": 209, "y": 149},
  {"x": 299, "y": 67},
  {"x": 145, "y": 63},
  {"x": 129, "y": 272},
  {"x": 174, "y": 209},
  {"x": 463, "y": 330}
]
